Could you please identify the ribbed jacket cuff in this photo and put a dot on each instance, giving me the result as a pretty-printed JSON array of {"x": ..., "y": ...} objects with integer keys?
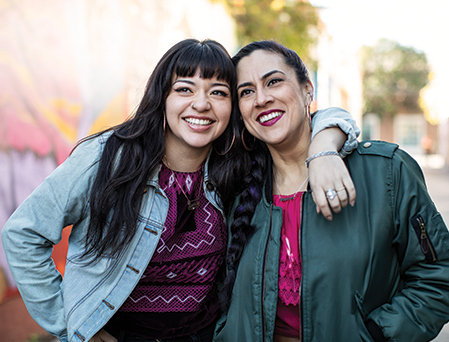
[{"x": 375, "y": 331}]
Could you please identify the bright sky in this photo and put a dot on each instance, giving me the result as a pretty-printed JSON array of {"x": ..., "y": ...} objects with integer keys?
[{"x": 422, "y": 24}]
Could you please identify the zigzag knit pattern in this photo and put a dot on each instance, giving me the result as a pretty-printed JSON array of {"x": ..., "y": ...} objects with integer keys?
[{"x": 182, "y": 272}]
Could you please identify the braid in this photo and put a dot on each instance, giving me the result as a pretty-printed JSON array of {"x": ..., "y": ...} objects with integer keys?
[{"x": 241, "y": 227}]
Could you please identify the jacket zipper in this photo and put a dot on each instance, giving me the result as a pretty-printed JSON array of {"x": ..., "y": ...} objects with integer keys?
[
  {"x": 423, "y": 237},
  {"x": 264, "y": 337}
]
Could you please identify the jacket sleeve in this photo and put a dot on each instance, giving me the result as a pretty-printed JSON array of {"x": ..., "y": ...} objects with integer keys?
[
  {"x": 30, "y": 233},
  {"x": 421, "y": 308},
  {"x": 337, "y": 117}
]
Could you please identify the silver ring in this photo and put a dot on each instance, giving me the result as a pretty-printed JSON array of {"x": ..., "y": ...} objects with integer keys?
[{"x": 330, "y": 194}]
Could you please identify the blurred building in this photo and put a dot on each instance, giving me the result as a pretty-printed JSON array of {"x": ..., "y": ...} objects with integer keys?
[
  {"x": 338, "y": 82},
  {"x": 337, "y": 79},
  {"x": 410, "y": 130}
]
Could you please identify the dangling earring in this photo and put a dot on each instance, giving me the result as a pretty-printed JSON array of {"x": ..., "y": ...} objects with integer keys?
[
  {"x": 309, "y": 116},
  {"x": 243, "y": 141},
  {"x": 164, "y": 124},
  {"x": 229, "y": 148}
]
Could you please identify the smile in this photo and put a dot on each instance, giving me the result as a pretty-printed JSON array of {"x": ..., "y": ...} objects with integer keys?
[
  {"x": 270, "y": 116},
  {"x": 198, "y": 122}
]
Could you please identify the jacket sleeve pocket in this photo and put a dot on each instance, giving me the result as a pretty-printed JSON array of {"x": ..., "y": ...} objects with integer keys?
[{"x": 423, "y": 239}]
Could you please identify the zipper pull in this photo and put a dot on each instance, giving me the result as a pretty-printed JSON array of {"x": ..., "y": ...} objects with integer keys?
[
  {"x": 423, "y": 237},
  {"x": 424, "y": 242}
]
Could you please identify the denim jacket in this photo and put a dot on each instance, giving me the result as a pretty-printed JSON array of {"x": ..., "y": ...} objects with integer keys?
[{"x": 78, "y": 307}]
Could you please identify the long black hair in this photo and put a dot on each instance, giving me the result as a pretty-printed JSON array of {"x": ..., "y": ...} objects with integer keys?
[
  {"x": 136, "y": 147},
  {"x": 256, "y": 164}
]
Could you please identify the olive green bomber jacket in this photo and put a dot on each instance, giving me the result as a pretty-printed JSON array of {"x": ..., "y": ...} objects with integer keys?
[{"x": 386, "y": 259}]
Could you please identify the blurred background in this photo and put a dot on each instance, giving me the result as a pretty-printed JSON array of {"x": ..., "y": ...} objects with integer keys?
[{"x": 72, "y": 68}]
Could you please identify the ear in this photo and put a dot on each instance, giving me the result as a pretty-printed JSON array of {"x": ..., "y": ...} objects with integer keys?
[{"x": 308, "y": 89}]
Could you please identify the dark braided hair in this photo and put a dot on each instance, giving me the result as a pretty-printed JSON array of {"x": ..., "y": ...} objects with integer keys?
[
  {"x": 257, "y": 162},
  {"x": 241, "y": 227}
]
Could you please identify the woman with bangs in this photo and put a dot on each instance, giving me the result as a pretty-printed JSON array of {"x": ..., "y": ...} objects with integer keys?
[{"x": 147, "y": 201}]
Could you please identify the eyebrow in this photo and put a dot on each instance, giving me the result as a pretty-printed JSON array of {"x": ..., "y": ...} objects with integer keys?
[
  {"x": 182, "y": 80},
  {"x": 264, "y": 77},
  {"x": 216, "y": 84}
]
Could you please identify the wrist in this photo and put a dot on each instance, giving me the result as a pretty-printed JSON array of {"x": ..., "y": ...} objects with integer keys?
[{"x": 321, "y": 154}]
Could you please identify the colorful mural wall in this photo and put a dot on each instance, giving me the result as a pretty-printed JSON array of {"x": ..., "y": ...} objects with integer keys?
[{"x": 71, "y": 68}]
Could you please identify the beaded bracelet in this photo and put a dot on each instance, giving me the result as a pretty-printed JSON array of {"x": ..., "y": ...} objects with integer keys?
[{"x": 321, "y": 154}]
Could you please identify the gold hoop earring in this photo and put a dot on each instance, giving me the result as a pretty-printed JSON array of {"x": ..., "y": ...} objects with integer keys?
[
  {"x": 229, "y": 148},
  {"x": 243, "y": 141}
]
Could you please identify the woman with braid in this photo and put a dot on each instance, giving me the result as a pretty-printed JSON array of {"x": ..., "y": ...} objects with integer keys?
[
  {"x": 146, "y": 200},
  {"x": 378, "y": 271}
]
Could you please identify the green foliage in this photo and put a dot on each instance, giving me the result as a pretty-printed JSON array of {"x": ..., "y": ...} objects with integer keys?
[
  {"x": 393, "y": 76},
  {"x": 293, "y": 23}
]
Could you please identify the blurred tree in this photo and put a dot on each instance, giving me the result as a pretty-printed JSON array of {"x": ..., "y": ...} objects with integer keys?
[
  {"x": 293, "y": 23},
  {"x": 393, "y": 76}
]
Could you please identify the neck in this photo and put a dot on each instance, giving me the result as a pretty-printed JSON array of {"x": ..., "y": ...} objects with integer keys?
[
  {"x": 178, "y": 161},
  {"x": 289, "y": 170}
]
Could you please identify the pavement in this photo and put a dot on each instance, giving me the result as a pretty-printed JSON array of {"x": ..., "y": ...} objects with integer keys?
[{"x": 437, "y": 179}]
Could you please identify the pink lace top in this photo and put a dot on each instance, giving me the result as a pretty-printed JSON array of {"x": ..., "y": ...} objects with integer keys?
[{"x": 288, "y": 319}]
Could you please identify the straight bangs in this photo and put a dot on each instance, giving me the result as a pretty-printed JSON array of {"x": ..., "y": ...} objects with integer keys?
[{"x": 211, "y": 61}]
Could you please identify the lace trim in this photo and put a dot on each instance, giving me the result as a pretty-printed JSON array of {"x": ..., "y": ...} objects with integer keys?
[{"x": 290, "y": 270}]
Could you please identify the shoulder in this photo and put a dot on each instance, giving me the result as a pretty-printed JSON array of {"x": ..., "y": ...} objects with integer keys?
[
  {"x": 92, "y": 144},
  {"x": 386, "y": 150},
  {"x": 83, "y": 161},
  {"x": 88, "y": 151},
  {"x": 377, "y": 147},
  {"x": 388, "y": 155}
]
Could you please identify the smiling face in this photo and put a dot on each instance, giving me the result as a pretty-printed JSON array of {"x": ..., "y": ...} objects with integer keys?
[
  {"x": 271, "y": 100},
  {"x": 197, "y": 111}
]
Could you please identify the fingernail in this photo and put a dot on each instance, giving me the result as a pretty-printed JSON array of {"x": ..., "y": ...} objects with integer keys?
[
  {"x": 352, "y": 203},
  {"x": 329, "y": 218}
]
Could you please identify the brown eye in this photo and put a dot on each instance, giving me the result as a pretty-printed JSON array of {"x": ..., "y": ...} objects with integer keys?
[
  {"x": 274, "y": 81},
  {"x": 182, "y": 90},
  {"x": 245, "y": 92},
  {"x": 219, "y": 93}
]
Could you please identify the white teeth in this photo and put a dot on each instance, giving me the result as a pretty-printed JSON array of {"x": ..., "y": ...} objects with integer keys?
[
  {"x": 198, "y": 122},
  {"x": 270, "y": 116}
]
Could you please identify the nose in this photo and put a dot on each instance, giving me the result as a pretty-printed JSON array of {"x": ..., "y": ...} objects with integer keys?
[
  {"x": 262, "y": 98},
  {"x": 201, "y": 103}
]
